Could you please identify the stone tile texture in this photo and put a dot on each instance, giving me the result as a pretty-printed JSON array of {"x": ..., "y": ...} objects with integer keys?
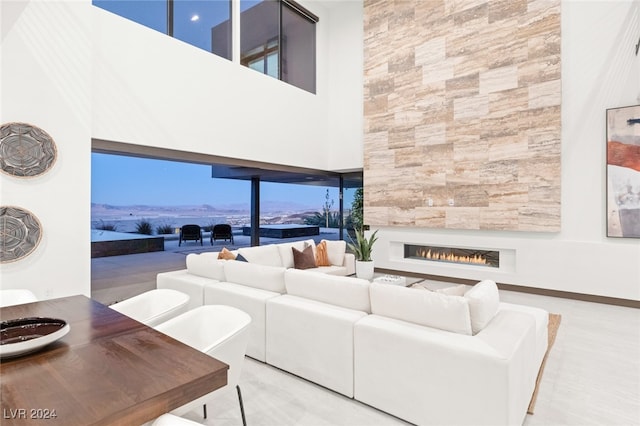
[{"x": 462, "y": 102}]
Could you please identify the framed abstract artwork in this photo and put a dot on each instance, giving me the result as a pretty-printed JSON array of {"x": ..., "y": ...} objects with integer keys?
[{"x": 623, "y": 172}]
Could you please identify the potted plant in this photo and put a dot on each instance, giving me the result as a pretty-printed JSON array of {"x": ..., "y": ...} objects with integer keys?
[{"x": 362, "y": 249}]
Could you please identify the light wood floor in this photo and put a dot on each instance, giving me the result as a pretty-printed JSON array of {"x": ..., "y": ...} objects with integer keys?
[{"x": 592, "y": 376}]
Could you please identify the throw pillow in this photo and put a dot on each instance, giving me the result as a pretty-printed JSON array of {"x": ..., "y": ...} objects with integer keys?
[
  {"x": 458, "y": 290},
  {"x": 241, "y": 258},
  {"x": 322, "y": 258},
  {"x": 303, "y": 259},
  {"x": 335, "y": 251},
  {"x": 226, "y": 254},
  {"x": 484, "y": 301}
]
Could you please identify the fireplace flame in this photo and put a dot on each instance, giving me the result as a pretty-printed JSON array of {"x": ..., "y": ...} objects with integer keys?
[{"x": 450, "y": 257}]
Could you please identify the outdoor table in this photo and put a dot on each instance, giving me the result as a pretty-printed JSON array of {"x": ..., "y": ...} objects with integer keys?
[{"x": 108, "y": 370}]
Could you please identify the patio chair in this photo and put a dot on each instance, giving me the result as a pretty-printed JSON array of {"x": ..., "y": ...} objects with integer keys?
[
  {"x": 190, "y": 232},
  {"x": 221, "y": 231}
]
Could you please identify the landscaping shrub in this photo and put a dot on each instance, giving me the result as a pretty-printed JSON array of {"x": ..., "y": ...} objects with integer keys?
[
  {"x": 164, "y": 229},
  {"x": 144, "y": 227},
  {"x": 106, "y": 226}
]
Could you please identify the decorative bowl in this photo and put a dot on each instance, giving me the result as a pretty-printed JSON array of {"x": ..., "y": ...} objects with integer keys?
[{"x": 25, "y": 335}]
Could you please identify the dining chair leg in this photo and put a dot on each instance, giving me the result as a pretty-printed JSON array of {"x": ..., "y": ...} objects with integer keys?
[{"x": 244, "y": 420}]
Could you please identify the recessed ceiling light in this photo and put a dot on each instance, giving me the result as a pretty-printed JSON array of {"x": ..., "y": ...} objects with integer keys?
[{"x": 195, "y": 18}]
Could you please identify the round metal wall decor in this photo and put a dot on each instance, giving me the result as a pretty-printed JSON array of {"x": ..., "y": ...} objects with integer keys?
[
  {"x": 25, "y": 150},
  {"x": 20, "y": 233}
]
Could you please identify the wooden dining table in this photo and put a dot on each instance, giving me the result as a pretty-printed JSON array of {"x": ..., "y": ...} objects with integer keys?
[{"x": 107, "y": 370}]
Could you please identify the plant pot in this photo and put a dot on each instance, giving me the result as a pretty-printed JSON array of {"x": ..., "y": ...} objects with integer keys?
[{"x": 364, "y": 269}]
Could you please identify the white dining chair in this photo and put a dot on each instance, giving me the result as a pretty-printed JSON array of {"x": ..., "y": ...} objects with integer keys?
[
  {"x": 16, "y": 296},
  {"x": 154, "y": 306},
  {"x": 219, "y": 331},
  {"x": 173, "y": 420}
]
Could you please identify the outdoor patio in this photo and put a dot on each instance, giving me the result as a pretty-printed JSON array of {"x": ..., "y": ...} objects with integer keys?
[{"x": 115, "y": 278}]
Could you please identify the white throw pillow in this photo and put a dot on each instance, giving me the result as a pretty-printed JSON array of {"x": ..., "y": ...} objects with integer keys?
[
  {"x": 457, "y": 290},
  {"x": 484, "y": 301},
  {"x": 450, "y": 313},
  {"x": 336, "y": 251},
  {"x": 262, "y": 255}
]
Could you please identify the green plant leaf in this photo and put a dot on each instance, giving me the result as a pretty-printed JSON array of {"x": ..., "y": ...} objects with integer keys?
[{"x": 362, "y": 247}]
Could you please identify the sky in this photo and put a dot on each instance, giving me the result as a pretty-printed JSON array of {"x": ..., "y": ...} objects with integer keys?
[{"x": 121, "y": 181}]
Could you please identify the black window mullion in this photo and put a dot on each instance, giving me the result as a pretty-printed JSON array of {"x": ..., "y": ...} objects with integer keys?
[
  {"x": 279, "y": 41},
  {"x": 170, "y": 18}
]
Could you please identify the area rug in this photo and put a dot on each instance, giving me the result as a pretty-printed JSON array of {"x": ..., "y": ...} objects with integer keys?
[{"x": 554, "y": 324}]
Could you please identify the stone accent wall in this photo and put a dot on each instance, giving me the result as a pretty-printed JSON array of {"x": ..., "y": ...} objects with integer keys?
[{"x": 462, "y": 114}]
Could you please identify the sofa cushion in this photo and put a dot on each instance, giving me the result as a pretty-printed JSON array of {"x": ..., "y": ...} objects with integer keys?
[
  {"x": 346, "y": 292},
  {"x": 336, "y": 251},
  {"x": 250, "y": 300},
  {"x": 450, "y": 313},
  {"x": 330, "y": 270},
  {"x": 262, "y": 255},
  {"x": 303, "y": 259},
  {"x": 206, "y": 265},
  {"x": 456, "y": 290},
  {"x": 254, "y": 275},
  {"x": 484, "y": 301}
]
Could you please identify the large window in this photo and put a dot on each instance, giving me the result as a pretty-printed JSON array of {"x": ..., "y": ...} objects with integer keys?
[
  {"x": 202, "y": 23},
  {"x": 198, "y": 23},
  {"x": 150, "y": 13},
  {"x": 278, "y": 38},
  {"x": 298, "y": 51}
]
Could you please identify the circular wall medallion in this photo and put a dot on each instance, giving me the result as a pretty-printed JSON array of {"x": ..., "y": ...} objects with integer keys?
[
  {"x": 25, "y": 150},
  {"x": 20, "y": 233}
]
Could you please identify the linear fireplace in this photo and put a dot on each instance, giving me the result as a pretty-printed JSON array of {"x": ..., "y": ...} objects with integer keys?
[{"x": 465, "y": 256}]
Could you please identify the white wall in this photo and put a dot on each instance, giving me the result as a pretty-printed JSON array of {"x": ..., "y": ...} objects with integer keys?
[
  {"x": 346, "y": 91},
  {"x": 45, "y": 81},
  {"x": 599, "y": 71},
  {"x": 79, "y": 72},
  {"x": 150, "y": 89}
]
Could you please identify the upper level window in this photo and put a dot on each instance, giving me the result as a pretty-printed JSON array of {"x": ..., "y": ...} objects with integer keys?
[
  {"x": 150, "y": 13},
  {"x": 195, "y": 21},
  {"x": 278, "y": 38},
  {"x": 201, "y": 23}
]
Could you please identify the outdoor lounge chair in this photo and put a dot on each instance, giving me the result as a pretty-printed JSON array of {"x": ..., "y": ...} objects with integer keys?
[
  {"x": 221, "y": 232},
  {"x": 190, "y": 232}
]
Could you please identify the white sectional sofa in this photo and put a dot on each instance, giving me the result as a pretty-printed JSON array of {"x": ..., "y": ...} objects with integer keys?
[
  {"x": 434, "y": 375},
  {"x": 310, "y": 330},
  {"x": 248, "y": 285},
  {"x": 425, "y": 357}
]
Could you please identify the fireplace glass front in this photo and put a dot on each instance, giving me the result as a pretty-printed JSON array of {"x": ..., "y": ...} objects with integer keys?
[{"x": 466, "y": 256}]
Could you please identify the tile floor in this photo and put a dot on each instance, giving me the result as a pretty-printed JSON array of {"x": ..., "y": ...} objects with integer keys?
[{"x": 592, "y": 376}]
